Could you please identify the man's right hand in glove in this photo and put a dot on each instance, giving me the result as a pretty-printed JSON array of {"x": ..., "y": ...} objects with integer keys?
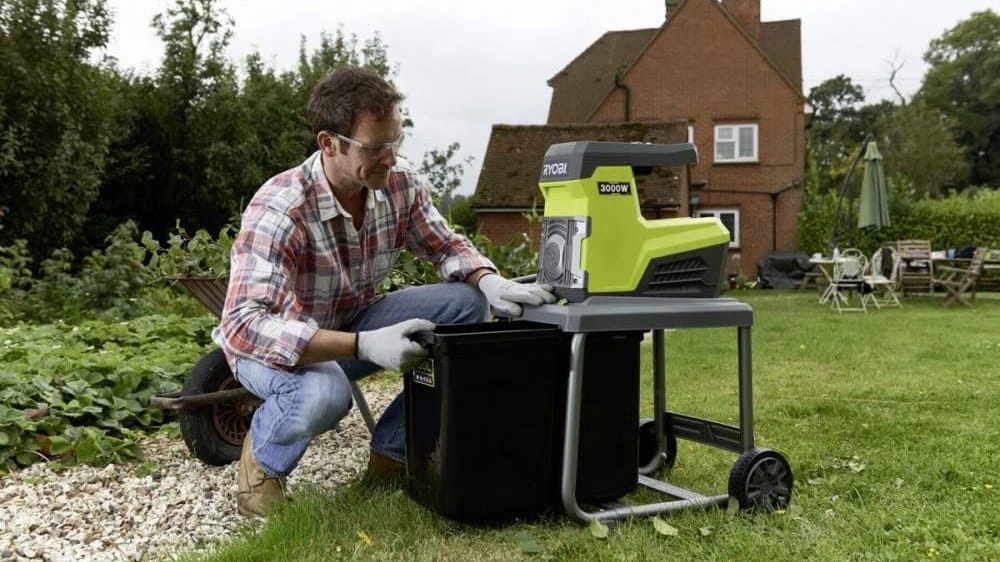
[
  {"x": 506, "y": 297},
  {"x": 391, "y": 347}
]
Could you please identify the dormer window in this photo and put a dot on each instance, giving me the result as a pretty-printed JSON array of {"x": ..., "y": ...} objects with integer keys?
[{"x": 736, "y": 143}]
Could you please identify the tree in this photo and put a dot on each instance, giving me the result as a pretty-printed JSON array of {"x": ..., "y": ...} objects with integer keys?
[
  {"x": 181, "y": 142},
  {"x": 197, "y": 142},
  {"x": 838, "y": 125},
  {"x": 917, "y": 143},
  {"x": 443, "y": 173},
  {"x": 55, "y": 118},
  {"x": 962, "y": 84}
]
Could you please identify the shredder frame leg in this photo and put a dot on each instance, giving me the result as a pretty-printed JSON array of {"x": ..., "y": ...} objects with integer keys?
[
  {"x": 574, "y": 395},
  {"x": 659, "y": 404},
  {"x": 745, "y": 387},
  {"x": 362, "y": 404}
]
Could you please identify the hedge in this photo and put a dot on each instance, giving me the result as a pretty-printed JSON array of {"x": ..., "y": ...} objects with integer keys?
[{"x": 970, "y": 218}]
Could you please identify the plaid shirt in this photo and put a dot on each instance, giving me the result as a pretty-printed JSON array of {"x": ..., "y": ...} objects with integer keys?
[{"x": 299, "y": 265}]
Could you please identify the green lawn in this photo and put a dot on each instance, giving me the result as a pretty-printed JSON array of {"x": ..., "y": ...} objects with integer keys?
[{"x": 890, "y": 420}]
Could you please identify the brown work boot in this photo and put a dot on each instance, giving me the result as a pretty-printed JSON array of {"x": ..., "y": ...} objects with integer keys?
[
  {"x": 383, "y": 469},
  {"x": 257, "y": 490}
]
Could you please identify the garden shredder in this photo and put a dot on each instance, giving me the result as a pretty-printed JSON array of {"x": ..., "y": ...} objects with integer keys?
[
  {"x": 595, "y": 240},
  {"x": 618, "y": 275}
]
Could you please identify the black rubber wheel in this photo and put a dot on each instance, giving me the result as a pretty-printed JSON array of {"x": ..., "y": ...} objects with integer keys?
[
  {"x": 647, "y": 444},
  {"x": 214, "y": 434},
  {"x": 761, "y": 481}
]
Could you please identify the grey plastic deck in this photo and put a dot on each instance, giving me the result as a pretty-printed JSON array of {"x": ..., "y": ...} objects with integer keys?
[{"x": 603, "y": 314}]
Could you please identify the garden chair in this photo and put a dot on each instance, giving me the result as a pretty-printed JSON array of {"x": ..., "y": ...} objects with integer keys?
[
  {"x": 916, "y": 269},
  {"x": 883, "y": 278},
  {"x": 961, "y": 282},
  {"x": 848, "y": 279}
]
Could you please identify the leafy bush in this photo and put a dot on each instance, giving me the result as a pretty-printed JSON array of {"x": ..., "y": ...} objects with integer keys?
[
  {"x": 200, "y": 255},
  {"x": 109, "y": 283},
  {"x": 968, "y": 218},
  {"x": 463, "y": 217},
  {"x": 78, "y": 394}
]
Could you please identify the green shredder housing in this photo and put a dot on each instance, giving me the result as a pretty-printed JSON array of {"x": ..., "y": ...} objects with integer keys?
[{"x": 595, "y": 240}]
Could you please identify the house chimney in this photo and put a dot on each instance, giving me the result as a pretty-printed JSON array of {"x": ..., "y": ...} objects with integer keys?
[
  {"x": 747, "y": 14},
  {"x": 672, "y": 6}
]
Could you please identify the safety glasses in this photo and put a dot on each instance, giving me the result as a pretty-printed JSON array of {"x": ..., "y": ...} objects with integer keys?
[{"x": 372, "y": 151}]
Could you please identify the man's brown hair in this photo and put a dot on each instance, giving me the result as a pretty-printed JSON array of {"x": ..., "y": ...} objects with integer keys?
[{"x": 337, "y": 99}]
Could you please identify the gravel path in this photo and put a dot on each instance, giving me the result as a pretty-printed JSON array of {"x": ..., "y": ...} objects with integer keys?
[{"x": 112, "y": 513}]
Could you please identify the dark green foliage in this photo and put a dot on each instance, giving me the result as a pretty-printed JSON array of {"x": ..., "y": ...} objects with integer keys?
[
  {"x": 55, "y": 117},
  {"x": 916, "y": 142},
  {"x": 962, "y": 84},
  {"x": 968, "y": 218},
  {"x": 462, "y": 215},
  {"x": 112, "y": 283},
  {"x": 78, "y": 394}
]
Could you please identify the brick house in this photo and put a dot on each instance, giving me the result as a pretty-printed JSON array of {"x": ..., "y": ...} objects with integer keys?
[{"x": 734, "y": 85}]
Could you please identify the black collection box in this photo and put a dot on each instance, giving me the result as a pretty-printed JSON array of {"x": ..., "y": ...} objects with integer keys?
[{"x": 485, "y": 416}]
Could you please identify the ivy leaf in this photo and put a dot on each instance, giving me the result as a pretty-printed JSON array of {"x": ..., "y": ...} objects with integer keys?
[
  {"x": 527, "y": 543},
  {"x": 664, "y": 528},
  {"x": 597, "y": 529},
  {"x": 26, "y": 459},
  {"x": 86, "y": 450}
]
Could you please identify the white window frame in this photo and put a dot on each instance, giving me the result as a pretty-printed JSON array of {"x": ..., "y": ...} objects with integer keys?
[
  {"x": 735, "y": 140},
  {"x": 716, "y": 211}
]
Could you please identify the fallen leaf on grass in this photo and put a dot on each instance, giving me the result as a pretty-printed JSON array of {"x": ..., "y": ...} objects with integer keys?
[
  {"x": 597, "y": 529},
  {"x": 664, "y": 528},
  {"x": 365, "y": 538},
  {"x": 527, "y": 543},
  {"x": 733, "y": 507}
]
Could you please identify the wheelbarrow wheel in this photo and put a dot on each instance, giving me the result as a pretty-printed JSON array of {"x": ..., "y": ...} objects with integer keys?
[
  {"x": 647, "y": 445},
  {"x": 214, "y": 433},
  {"x": 761, "y": 481}
]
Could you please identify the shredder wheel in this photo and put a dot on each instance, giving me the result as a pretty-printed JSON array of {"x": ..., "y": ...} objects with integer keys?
[
  {"x": 761, "y": 481},
  {"x": 647, "y": 444}
]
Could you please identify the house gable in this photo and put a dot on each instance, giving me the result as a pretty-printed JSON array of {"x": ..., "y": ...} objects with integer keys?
[
  {"x": 579, "y": 87},
  {"x": 694, "y": 59}
]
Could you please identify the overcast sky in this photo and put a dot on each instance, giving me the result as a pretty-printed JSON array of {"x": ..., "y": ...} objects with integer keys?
[{"x": 465, "y": 65}]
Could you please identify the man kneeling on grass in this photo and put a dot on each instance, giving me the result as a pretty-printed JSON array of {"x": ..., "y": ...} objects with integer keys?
[{"x": 302, "y": 317}]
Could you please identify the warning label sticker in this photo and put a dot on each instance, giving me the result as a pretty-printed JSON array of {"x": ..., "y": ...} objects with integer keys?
[{"x": 423, "y": 373}]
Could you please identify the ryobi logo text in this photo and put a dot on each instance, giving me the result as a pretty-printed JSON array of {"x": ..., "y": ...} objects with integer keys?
[
  {"x": 604, "y": 188},
  {"x": 555, "y": 168}
]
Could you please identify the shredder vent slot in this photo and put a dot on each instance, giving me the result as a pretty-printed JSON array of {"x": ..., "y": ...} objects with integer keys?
[{"x": 689, "y": 271}]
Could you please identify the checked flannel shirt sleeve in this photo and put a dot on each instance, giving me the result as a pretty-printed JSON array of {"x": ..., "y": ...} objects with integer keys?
[
  {"x": 430, "y": 237},
  {"x": 264, "y": 259}
]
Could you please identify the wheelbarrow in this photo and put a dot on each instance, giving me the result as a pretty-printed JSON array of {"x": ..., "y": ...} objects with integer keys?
[{"x": 214, "y": 409}]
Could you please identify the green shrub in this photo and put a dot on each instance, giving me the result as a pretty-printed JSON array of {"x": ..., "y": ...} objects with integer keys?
[
  {"x": 968, "y": 218},
  {"x": 108, "y": 283},
  {"x": 79, "y": 394}
]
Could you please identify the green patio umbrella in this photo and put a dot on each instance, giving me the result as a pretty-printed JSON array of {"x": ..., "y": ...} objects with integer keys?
[{"x": 873, "y": 209}]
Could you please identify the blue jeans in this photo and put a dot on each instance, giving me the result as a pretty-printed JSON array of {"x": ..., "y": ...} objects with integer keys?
[{"x": 298, "y": 406}]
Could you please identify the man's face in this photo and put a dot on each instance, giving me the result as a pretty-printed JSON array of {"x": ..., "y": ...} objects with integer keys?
[{"x": 357, "y": 166}]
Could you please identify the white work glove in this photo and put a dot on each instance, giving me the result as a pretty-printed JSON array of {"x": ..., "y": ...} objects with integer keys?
[
  {"x": 507, "y": 296},
  {"x": 391, "y": 347}
]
